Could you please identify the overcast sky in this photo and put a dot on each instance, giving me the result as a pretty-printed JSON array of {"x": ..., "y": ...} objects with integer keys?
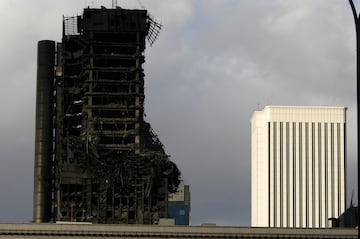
[{"x": 214, "y": 63}]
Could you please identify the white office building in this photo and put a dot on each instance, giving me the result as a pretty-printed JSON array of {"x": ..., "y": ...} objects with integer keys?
[{"x": 297, "y": 166}]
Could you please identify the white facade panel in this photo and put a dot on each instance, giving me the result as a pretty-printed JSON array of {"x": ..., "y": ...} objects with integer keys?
[
  {"x": 271, "y": 179},
  {"x": 322, "y": 178},
  {"x": 342, "y": 176},
  {"x": 328, "y": 174},
  {"x": 182, "y": 194},
  {"x": 310, "y": 182},
  {"x": 277, "y": 174},
  {"x": 298, "y": 166},
  {"x": 302, "y": 179},
  {"x": 259, "y": 171},
  {"x": 316, "y": 177}
]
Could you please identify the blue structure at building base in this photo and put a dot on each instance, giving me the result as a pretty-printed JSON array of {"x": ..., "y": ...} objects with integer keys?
[{"x": 181, "y": 214}]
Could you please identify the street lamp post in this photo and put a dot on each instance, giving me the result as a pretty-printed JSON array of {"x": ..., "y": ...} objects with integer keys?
[{"x": 357, "y": 29}]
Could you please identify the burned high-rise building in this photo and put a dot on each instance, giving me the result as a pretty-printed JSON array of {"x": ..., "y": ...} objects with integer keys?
[{"x": 96, "y": 158}]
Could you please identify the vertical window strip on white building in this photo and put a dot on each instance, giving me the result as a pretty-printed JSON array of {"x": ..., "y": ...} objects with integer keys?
[
  {"x": 326, "y": 166},
  {"x": 281, "y": 174},
  {"x": 297, "y": 174},
  {"x": 294, "y": 173},
  {"x": 307, "y": 185}
]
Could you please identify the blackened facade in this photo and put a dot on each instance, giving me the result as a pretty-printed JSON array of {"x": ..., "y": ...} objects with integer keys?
[{"x": 107, "y": 165}]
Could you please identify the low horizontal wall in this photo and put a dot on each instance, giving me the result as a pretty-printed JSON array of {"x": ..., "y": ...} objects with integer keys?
[{"x": 75, "y": 230}]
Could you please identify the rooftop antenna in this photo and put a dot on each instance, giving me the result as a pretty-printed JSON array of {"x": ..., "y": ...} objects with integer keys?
[{"x": 114, "y": 4}]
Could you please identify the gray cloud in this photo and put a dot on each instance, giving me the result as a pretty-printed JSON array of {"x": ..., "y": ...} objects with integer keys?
[{"x": 214, "y": 63}]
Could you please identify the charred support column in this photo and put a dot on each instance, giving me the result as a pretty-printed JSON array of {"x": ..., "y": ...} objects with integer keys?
[{"x": 43, "y": 131}]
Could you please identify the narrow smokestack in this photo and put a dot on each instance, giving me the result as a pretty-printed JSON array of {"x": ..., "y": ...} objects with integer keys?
[{"x": 43, "y": 131}]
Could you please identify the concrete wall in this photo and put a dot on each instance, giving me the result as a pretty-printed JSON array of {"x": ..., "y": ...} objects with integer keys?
[{"x": 81, "y": 230}]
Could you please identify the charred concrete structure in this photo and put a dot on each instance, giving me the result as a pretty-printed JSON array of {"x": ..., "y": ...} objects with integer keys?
[{"x": 96, "y": 158}]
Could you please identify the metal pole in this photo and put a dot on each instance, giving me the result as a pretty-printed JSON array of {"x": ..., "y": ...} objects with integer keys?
[{"x": 357, "y": 29}]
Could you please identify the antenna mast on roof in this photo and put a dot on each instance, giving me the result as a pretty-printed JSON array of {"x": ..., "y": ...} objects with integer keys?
[{"x": 114, "y": 4}]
